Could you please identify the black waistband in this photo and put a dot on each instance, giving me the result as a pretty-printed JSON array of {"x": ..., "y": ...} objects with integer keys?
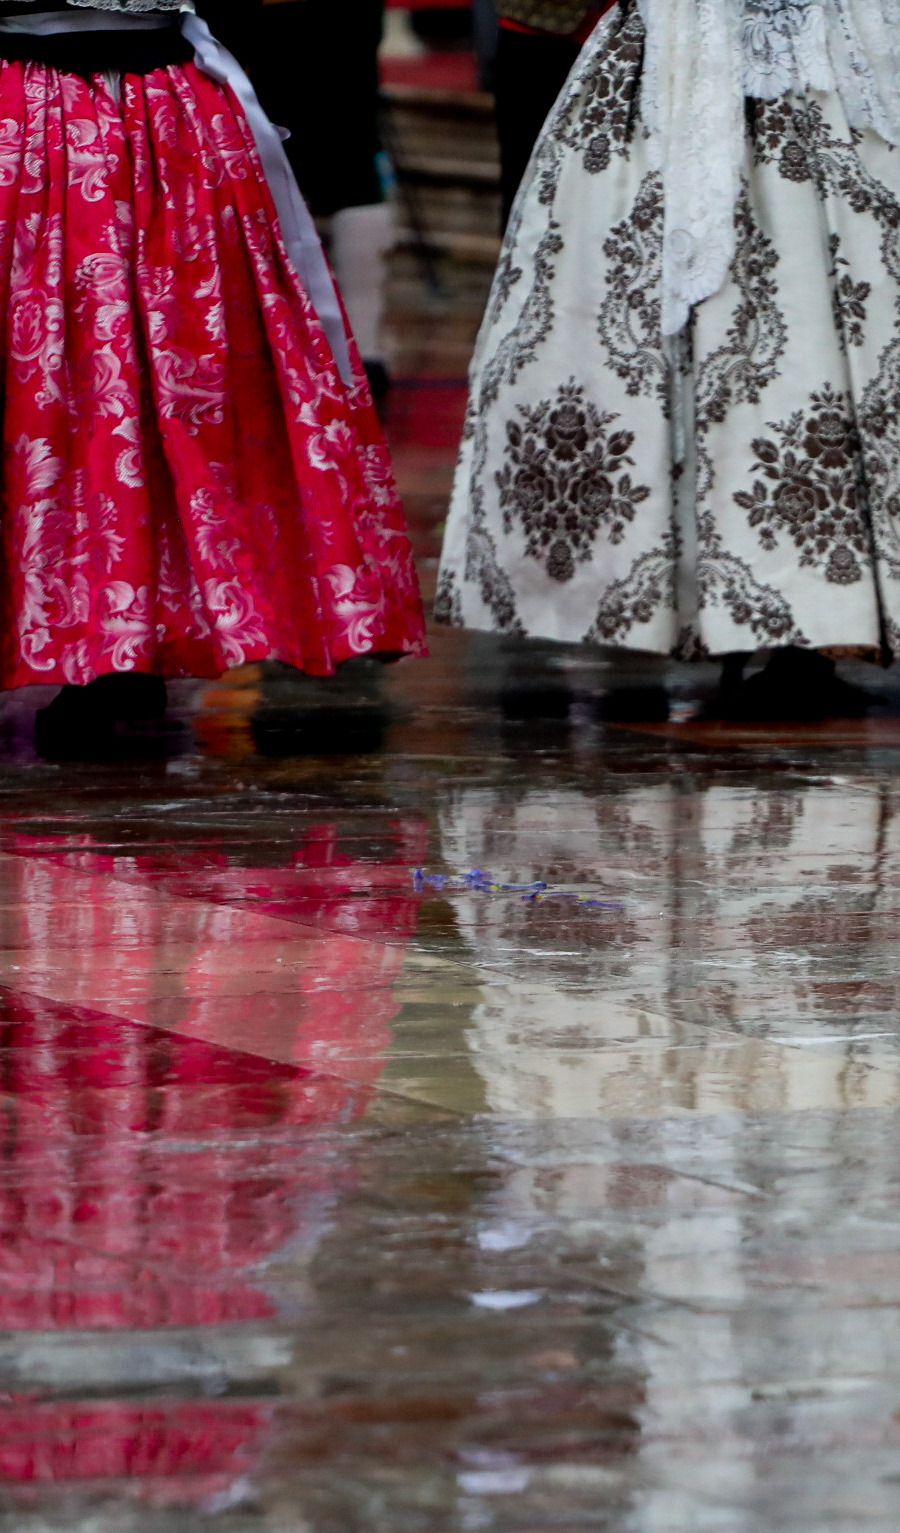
[{"x": 96, "y": 52}]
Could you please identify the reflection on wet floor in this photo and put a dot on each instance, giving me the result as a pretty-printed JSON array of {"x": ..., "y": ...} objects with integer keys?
[{"x": 339, "y": 1200}]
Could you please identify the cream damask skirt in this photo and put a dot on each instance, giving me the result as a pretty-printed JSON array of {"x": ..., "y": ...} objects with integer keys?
[{"x": 734, "y": 491}]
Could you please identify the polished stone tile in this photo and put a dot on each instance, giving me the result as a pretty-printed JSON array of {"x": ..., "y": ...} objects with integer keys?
[{"x": 337, "y": 1199}]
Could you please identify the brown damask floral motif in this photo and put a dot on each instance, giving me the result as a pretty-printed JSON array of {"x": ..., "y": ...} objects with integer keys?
[
  {"x": 749, "y": 359},
  {"x": 509, "y": 270},
  {"x": 448, "y": 601},
  {"x": 599, "y": 121},
  {"x": 509, "y": 273},
  {"x": 808, "y": 487},
  {"x": 783, "y": 134},
  {"x": 740, "y": 371},
  {"x": 629, "y": 324},
  {"x": 565, "y": 478},
  {"x": 850, "y": 299},
  {"x": 607, "y": 122},
  {"x": 792, "y": 133},
  {"x": 632, "y": 601},
  {"x": 840, "y": 172},
  {"x": 484, "y": 568},
  {"x": 728, "y": 582},
  {"x": 760, "y": 610},
  {"x": 879, "y": 428},
  {"x": 535, "y": 322}
]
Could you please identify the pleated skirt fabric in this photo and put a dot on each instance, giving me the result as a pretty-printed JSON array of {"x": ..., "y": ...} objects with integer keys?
[{"x": 188, "y": 484}]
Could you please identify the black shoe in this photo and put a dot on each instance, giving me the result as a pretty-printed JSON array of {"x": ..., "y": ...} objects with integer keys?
[
  {"x": 83, "y": 723},
  {"x": 634, "y": 705},
  {"x": 797, "y": 686},
  {"x": 520, "y": 701},
  {"x": 129, "y": 698}
]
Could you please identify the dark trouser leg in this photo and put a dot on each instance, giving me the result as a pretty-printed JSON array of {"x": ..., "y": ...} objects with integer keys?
[
  {"x": 485, "y": 27},
  {"x": 321, "y": 82},
  {"x": 530, "y": 73},
  {"x": 733, "y": 668}
]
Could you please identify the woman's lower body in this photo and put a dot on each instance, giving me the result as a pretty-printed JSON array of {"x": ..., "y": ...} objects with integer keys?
[
  {"x": 189, "y": 481},
  {"x": 734, "y": 491}
]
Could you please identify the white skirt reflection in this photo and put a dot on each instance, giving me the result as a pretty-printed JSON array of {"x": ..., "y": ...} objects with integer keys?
[{"x": 702, "y": 992}]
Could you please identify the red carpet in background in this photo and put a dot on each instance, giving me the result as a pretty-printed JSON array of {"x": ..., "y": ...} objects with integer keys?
[
  {"x": 427, "y": 415},
  {"x": 435, "y": 71}
]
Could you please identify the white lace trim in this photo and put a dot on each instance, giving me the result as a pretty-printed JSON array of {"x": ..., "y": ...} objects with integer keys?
[
  {"x": 703, "y": 58},
  {"x": 693, "y": 108},
  {"x": 126, "y": 7}
]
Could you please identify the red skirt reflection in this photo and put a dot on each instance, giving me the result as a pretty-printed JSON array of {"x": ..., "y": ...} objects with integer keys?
[{"x": 150, "y": 1175}]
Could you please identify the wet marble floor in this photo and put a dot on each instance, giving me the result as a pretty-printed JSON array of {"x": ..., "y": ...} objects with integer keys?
[{"x": 350, "y": 1183}]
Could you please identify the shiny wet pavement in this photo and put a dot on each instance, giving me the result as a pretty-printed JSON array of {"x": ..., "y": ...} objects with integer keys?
[{"x": 426, "y": 1109}]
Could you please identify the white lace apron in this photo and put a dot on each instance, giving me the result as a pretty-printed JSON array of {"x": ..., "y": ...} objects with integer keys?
[
  {"x": 704, "y": 57},
  {"x": 297, "y": 226}
]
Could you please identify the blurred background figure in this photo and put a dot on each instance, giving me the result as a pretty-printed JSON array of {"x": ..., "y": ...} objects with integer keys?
[
  {"x": 320, "y": 81},
  {"x": 524, "y": 49},
  {"x": 485, "y": 25}
]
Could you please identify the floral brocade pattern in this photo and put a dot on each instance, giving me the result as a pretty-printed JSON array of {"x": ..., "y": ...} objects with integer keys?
[
  {"x": 566, "y": 476},
  {"x": 734, "y": 487},
  {"x": 188, "y": 483},
  {"x": 597, "y": 121},
  {"x": 808, "y": 487},
  {"x": 629, "y": 324}
]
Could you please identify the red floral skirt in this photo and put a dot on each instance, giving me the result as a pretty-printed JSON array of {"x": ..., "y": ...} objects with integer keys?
[{"x": 188, "y": 483}]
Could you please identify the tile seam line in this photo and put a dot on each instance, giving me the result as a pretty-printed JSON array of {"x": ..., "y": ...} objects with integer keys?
[
  {"x": 201, "y": 900},
  {"x": 288, "y": 926},
  {"x": 228, "y": 1048}
]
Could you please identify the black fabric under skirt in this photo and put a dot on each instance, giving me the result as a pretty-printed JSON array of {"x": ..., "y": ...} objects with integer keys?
[
  {"x": 318, "y": 67},
  {"x": 96, "y": 52}
]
